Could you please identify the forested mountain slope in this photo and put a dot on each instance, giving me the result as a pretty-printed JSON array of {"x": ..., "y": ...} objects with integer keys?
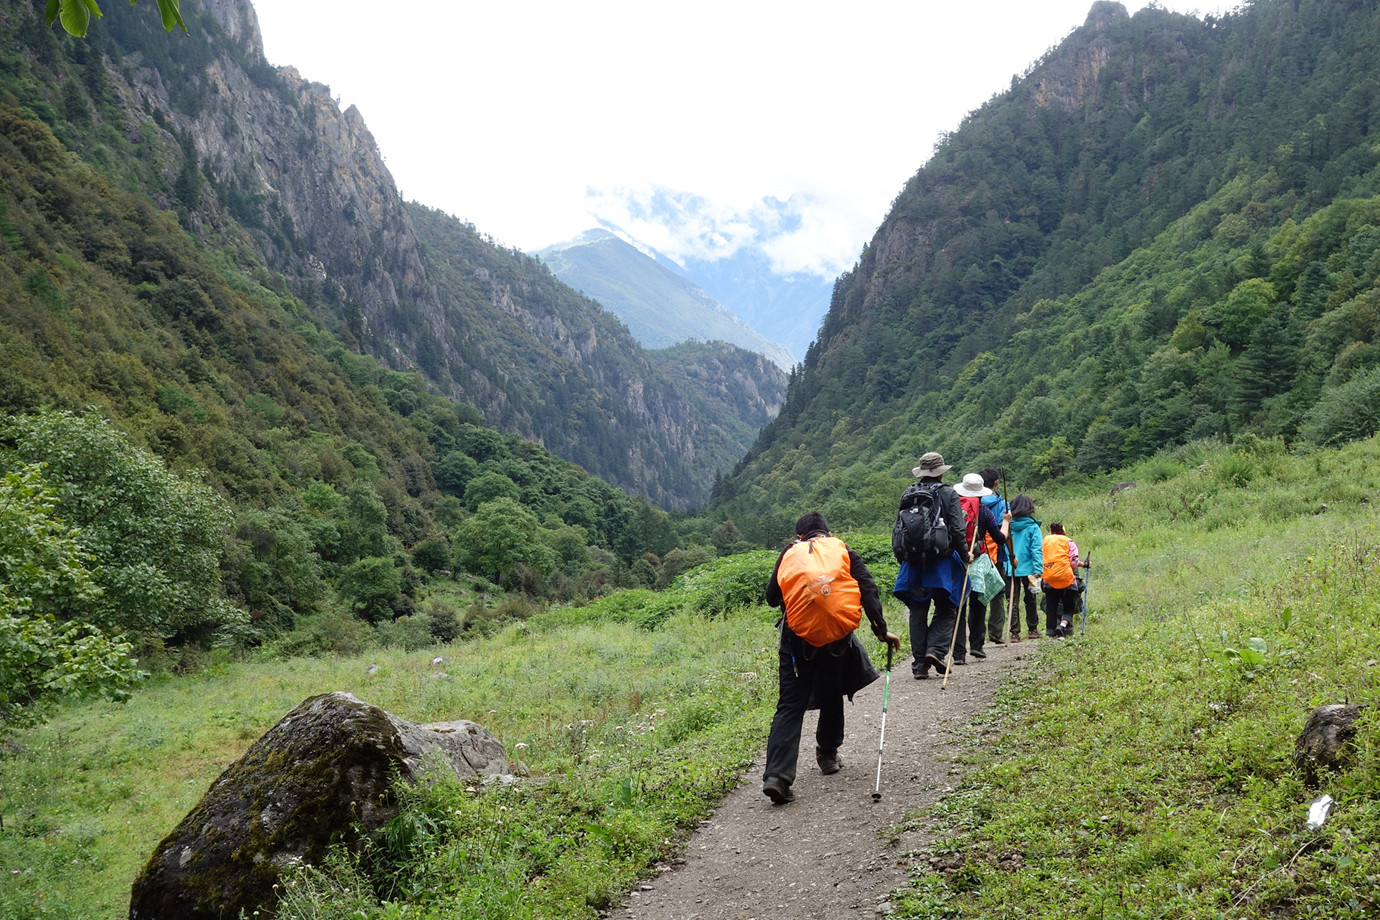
[
  {"x": 1165, "y": 230},
  {"x": 253, "y": 156}
]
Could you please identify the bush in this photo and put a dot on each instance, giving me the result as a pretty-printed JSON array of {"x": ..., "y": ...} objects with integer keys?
[
  {"x": 410, "y": 633},
  {"x": 334, "y": 633}
]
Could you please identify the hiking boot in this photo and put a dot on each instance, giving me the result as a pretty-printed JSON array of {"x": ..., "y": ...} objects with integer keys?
[
  {"x": 1015, "y": 636},
  {"x": 1065, "y": 628},
  {"x": 978, "y": 653},
  {"x": 778, "y": 790},
  {"x": 934, "y": 662},
  {"x": 958, "y": 661},
  {"x": 1033, "y": 635},
  {"x": 829, "y": 764},
  {"x": 996, "y": 640}
]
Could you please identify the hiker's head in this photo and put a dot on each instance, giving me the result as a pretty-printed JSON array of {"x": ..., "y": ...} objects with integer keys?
[
  {"x": 990, "y": 477},
  {"x": 810, "y": 524},
  {"x": 1056, "y": 527},
  {"x": 972, "y": 486},
  {"x": 932, "y": 466},
  {"x": 1022, "y": 506}
]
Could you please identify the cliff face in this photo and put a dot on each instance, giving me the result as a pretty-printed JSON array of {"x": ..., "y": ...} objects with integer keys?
[{"x": 248, "y": 152}]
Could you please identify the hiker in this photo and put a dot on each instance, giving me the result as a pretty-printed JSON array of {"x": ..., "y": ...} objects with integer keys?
[
  {"x": 1027, "y": 543},
  {"x": 1061, "y": 587},
  {"x": 812, "y": 672},
  {"x": 938, "y": 578},
  {"x": 996, "y": 551},
  {"x": 982, "y": 529}
]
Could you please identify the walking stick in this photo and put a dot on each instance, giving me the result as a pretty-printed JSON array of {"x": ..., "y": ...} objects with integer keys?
[
  {"x": 881, "y": 742},
  {"x": 1087, "y": 580}
]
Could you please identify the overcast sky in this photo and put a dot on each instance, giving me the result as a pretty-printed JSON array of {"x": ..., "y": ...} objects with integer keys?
[{"x": 535, "y": 120}]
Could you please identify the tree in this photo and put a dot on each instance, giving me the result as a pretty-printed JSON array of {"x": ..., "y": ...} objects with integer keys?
[
  {"x": 154, "y": 539},
  {"x": 43, "y": 574},
  {"x": 502, "y": 535},
  {"x": 371, "y": 585},
  {"x": 75, "y": 15}
]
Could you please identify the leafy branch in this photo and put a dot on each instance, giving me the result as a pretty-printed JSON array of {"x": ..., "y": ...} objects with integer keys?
[{"x": 75, "y": 15}]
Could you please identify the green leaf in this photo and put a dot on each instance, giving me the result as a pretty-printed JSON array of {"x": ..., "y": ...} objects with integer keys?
[
  {"x": 172, "y": 16},
  {"x": 1258, "y": 644},
  {"x": 76, "y": 18},
  {"x": 1286, "y": 616}
]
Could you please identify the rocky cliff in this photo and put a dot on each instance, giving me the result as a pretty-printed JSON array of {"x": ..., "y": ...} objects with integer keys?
[{"x": 262, "y": 164}]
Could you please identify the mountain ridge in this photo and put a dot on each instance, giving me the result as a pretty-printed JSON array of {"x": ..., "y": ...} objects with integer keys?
[{"x": 659, "y": 304}]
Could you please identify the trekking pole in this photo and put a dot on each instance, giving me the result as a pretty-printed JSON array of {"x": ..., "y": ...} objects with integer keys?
[
  {"x": 962, "y": 607},
  {"x": 881, "y": 742},
  {"x": 1087, "y": 580}
]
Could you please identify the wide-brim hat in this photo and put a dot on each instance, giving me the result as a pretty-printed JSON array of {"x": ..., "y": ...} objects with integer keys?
[
  {"x": 931, "y": 464},
  {"x": 972, "y": 486}
]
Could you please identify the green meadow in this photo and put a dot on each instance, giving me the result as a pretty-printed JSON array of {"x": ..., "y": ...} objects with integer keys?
[{"x": 1144, "y": 768}]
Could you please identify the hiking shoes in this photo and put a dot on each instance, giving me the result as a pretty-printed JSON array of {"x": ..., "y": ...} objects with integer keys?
[
  {"x": 829, "y": 764},
  {"x": 921, "y": 673},
  {"x": 934, "y": 662},
  {"x": 778, "y": 790},
  {"x": 1033, "y": 635},
  {"x": 978, "y": 653}
]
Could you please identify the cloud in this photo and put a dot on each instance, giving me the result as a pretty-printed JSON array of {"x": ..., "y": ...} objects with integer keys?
[{"x": 801, "y": 235}]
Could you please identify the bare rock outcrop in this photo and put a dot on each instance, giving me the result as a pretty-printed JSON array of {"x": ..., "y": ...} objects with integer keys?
[{"x": 322, "y": 775}]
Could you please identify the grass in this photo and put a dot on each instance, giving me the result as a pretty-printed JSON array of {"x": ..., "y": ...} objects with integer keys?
[{"x": 1141, "y": 771}]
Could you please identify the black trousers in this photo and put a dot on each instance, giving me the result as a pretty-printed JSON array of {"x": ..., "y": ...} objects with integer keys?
[
  {"x": 805, "y": 671},
  {"x": 930, "y": 636}
]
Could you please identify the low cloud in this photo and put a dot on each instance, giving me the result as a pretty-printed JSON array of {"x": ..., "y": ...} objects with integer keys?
[{"x": 802, "y": 235}]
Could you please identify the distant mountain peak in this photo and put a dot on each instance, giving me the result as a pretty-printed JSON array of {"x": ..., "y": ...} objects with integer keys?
[{"x": 650, "y": 294}]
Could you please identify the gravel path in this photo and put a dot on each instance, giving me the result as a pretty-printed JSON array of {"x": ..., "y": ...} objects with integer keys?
[{"x": 834, "y": 853}]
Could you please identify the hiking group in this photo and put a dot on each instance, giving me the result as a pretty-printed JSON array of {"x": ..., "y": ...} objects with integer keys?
[{"x": 966, "y": 558}]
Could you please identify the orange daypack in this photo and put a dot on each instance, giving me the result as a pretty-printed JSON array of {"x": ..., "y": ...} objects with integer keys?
[{"x": 823, "y": 601}]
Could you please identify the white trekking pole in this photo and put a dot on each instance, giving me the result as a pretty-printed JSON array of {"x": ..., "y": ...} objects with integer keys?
[{"x": 881, "y": 742}]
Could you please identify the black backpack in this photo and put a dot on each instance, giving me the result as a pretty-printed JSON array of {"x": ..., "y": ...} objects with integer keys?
[{"x": 920, "y": 532}]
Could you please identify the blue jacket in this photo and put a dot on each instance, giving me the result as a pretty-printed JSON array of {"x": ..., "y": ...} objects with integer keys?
[
  {"x": 1028, "y": 543},
  {"x": 997, "y": 505}
]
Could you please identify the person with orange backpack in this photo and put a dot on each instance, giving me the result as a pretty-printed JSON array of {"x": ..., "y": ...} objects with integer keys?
[
  {"x": 1061, "y": 589},
  {"x": 824, "y": 589}
]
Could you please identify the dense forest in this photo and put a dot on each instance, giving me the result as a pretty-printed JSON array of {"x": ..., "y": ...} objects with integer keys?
[{"x": 1166, "y": 230}]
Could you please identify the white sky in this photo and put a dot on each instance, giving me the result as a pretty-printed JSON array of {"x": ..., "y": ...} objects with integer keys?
[{"x": 531, "y": 119}]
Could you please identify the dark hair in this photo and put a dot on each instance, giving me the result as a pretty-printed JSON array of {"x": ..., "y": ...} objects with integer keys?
[
  {"x": 1022, "y": 506},
  {"x": 811, "y": 522},
  {"x": 1056, "y": 527},
  {"x": 990, "y": 477}
]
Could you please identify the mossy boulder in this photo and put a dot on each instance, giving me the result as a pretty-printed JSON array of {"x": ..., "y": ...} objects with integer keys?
[
  {"x": 1325, "y": 743},
  {"x": 323, "y": 775}
]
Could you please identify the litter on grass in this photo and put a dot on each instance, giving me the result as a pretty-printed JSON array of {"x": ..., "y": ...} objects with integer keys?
[{"x": 1318, "y": 811}]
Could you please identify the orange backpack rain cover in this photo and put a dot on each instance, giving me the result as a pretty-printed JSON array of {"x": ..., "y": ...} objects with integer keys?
[{"x": 823, "y": 601}]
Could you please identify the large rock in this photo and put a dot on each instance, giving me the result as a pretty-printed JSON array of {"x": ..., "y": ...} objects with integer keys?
[
  {"x": 322, "y": 775},
  {"x": 1325, "y": 743}
]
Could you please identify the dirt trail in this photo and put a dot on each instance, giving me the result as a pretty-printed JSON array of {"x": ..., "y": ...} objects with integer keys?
[{"x": 833, "y": 852}]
